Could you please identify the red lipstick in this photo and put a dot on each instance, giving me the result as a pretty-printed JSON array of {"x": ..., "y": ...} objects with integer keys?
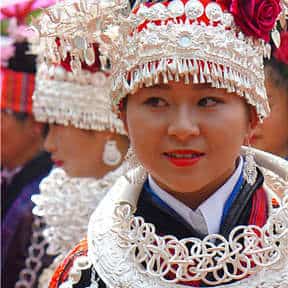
[
  {"x": 58, "y": 163},
  {"x": 184, "y": 158}
]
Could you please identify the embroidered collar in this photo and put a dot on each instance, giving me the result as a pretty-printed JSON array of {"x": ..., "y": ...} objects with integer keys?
[
  {"x": 212, "y": 213},
  {"x": 127, "y": 252}
]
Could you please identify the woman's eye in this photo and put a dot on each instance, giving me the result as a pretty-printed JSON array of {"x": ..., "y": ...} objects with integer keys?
[
  {"x": 209, "y": 102},
  {"x": 156, "y": 102}
]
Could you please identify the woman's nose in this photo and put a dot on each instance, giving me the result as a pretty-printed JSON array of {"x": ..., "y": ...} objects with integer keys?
[
  {"x": 184, "y": 124},
  {"x": 49, "y": 144}
]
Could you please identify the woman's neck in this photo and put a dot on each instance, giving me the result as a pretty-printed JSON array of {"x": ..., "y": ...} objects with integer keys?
[{"x": 196, "y": 198}]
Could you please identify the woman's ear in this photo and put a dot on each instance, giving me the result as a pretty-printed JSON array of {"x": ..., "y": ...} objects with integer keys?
[{"x": 253, "y": 123}]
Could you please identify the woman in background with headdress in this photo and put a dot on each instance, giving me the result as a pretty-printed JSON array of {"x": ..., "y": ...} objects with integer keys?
[{"x": 87, "y": 142}]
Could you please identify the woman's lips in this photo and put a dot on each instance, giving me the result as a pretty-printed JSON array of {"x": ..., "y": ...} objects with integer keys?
[
  {"x": 58, "y": 163},
  {"x": 184, "y": 158}
]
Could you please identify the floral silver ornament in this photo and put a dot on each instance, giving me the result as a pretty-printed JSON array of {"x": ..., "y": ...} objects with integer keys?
[
  {"x": 214, "y": 12},
  {"x": 176, "y": 8},
  {"x": 111, "y": 155},
  {"x": 194, "y": 9}
]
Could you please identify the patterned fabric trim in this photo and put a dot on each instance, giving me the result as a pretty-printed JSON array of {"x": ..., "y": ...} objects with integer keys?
[
  {"x": 17, "y": 91},
  {"x": 62, "y": 272}
]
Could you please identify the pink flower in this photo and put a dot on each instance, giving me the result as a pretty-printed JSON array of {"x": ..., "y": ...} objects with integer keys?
[
  {"x": 19, "y": 32},
  {"x": 7, "y": 51},
  {"x": 256, "y": 18},
  {"x": 281, "y": 54}
]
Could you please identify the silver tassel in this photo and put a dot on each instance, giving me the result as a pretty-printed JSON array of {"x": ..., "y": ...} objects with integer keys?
[{"x": 250, "y": 167}]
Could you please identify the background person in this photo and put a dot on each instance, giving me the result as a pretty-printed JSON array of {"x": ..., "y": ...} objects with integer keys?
[
  {"x": 272, "y": 135},
  {"x": 23, "y": 160},
  {"x": 87, "y": 141}
]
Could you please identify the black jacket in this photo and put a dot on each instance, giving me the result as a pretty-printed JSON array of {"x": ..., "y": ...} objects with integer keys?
[{"x": 16, "y": 216}]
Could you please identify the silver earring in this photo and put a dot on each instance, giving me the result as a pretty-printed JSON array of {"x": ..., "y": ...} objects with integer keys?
[
  {"x": 135, "y": 173},
  {"x": 250, "y": 167},
  {"x": 111, "y": 155}
]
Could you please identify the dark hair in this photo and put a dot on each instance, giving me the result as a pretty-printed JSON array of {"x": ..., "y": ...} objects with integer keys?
[
  {"x": 45, "y": 130},
  {"x": 22, "y": 117},
  {"x": 19, "y": 116},
  {"x": 123, "y": 104},
  {"x": 280, "y": 73},
  {"x": 22, "y": 61}
]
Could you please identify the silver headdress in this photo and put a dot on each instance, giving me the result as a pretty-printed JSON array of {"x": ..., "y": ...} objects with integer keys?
[
  {"x": 64, "y": 97},
  {"x": 197, "y": 41}
]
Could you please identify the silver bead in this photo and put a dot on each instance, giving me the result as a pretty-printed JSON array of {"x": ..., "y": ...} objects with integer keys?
[
  {"x": 214, "y": 12},
  {"x": 194, "y": 9},
  {"x": 176, "y": 8}
]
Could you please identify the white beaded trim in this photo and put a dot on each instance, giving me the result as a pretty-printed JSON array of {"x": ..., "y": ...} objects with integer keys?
[{"x": 81, "y": 101}]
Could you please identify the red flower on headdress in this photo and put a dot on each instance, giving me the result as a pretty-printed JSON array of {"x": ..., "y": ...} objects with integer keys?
[
  {"x": 255, "y": 17},
  {"x": 281, "y": 54}
]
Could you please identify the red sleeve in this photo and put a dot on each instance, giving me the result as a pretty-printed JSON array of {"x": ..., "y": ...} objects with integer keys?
[{"x": 61, "y": 273}]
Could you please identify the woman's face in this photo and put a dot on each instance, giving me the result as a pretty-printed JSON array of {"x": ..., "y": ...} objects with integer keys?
[
  {"x": 188, "y": 137},
  {"x": 78, "y": 151},
  {"x": 272, "y": 135}
]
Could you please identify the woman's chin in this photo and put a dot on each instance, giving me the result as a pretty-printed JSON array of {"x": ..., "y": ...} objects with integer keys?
[{"x": 70, "y": 171}]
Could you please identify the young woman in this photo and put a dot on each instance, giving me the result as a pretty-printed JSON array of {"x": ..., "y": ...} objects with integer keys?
[
  {"x": 189, "y": 86},
  {"x": 272, "y": 135},
  {"x": 86, "y": 140}
]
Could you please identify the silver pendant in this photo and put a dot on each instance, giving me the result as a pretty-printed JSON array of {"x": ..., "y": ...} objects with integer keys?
[
  {"x": 89, "y": 56},
  {"x": 276, "y": 38},
  {"x": 75, "y": 65},
  {"x": 80, "y": 42}
]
